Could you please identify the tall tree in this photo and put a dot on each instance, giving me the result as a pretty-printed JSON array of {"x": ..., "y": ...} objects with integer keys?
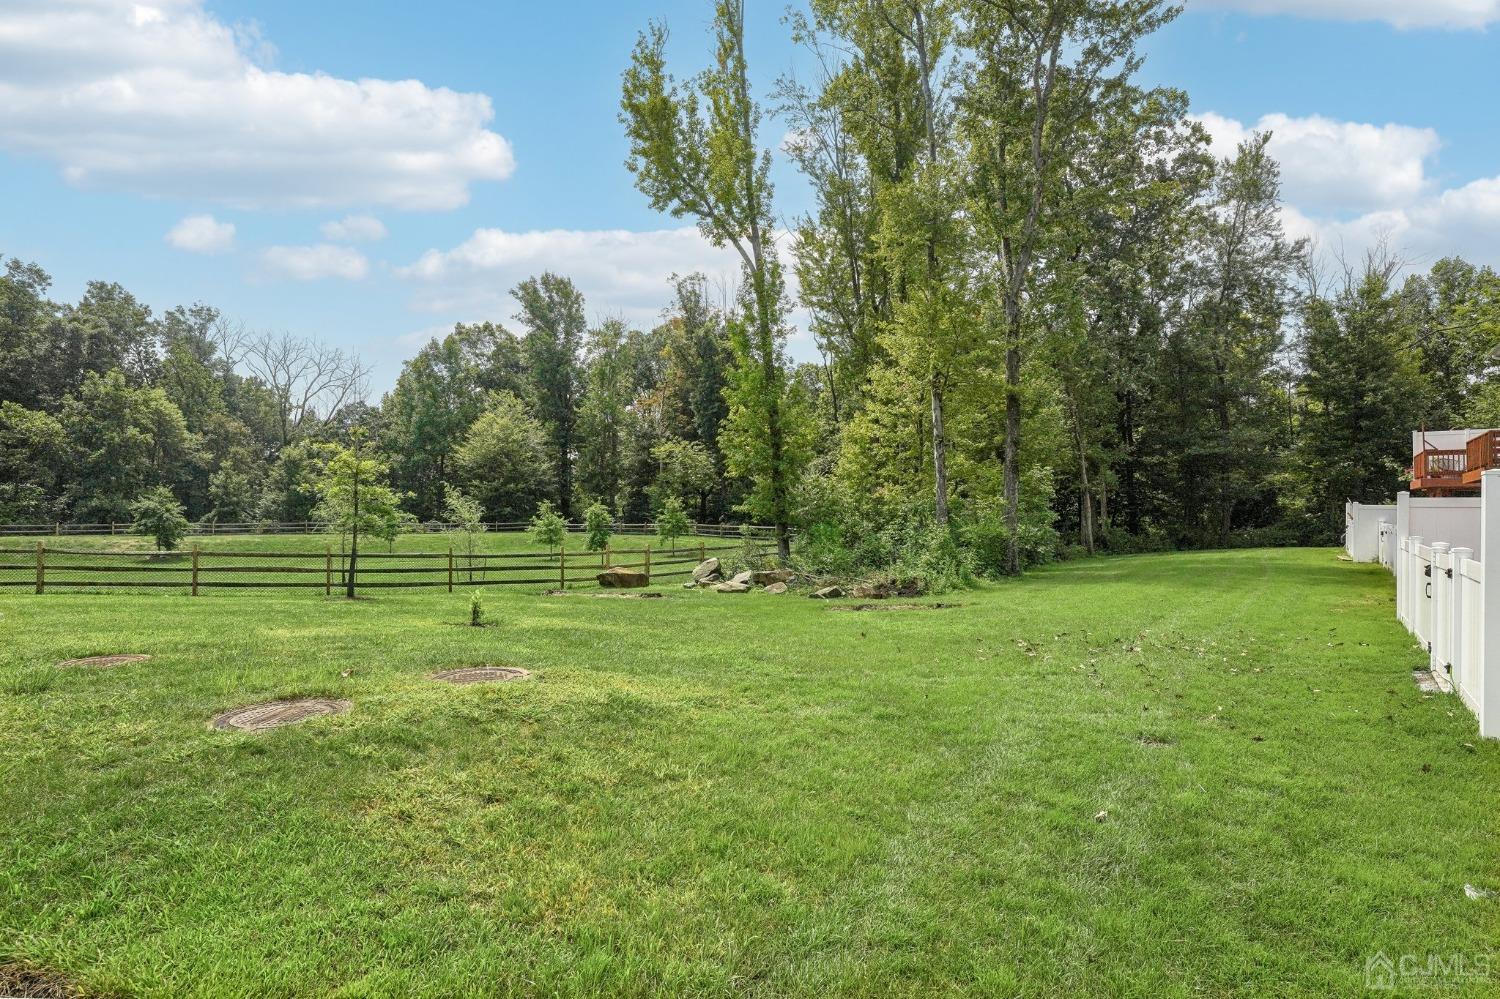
[
  {"x": 694, "y": 153},
  {"x": 1047, "y": 76},
  {"x": 553, "y": 318}
]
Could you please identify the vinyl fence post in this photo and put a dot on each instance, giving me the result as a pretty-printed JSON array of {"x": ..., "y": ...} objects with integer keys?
[
  {"x": 450, "y": 568},
  {"x": 195, "y": 570},
  {"x": 1488, "y": 698},
  {"x": 41, "y": 566}
]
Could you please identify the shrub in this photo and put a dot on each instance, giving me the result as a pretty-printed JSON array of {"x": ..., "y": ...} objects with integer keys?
[
  {"x": 548, "y": 527},
  {"x": 476, "y": 609},
  {"x": 158, "y": 514},
  {"x": 672, "y": 521},
  {"x": 598, "y": 523}
]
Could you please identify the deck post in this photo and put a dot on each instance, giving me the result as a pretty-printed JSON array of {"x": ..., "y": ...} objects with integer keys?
[
  {"x": 1488, "y": 697},
  {"x": 41, "y": 566}
]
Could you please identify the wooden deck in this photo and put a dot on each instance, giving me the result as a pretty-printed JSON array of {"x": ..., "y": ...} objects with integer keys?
[{"x": 1456, "y": 471}]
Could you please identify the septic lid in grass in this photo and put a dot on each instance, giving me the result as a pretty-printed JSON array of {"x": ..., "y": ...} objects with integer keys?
[
  {"x": 103, "y": 662},
  {"x": 273, "y": 714},
  {"x": 482, "y": 674}
]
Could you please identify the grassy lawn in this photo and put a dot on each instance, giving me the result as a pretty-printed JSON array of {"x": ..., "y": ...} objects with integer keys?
[{"x": 712, "y": 794}]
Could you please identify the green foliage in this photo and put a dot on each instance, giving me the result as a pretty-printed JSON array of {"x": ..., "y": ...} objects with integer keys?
[
  {"x": 548, "y": 527},
  {"x": 476, "y": 609},
  {"x": 466, "y": 516},
  {"x": 158, "y": 515},
  {"x": 552, "y": 312},
  {"x": 598, "y": 524},
  {"x": 503, "y": 461},
  {"x": 672, "y": 522},
  {"x": 353, "y": 498},
  {"x": 33, "y": 457}
]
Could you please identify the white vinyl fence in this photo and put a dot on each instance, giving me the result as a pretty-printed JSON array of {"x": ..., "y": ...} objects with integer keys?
[{"x": 1442, "y": 599}]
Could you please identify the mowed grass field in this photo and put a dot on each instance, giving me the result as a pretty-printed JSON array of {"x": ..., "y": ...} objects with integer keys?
[{"x": 1176, "y": 775}]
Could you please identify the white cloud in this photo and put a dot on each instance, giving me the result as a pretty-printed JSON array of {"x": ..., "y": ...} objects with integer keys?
[
  {"x": 1338, "y": 165},
  {"x": 1400, "y": 13},
  {"x": 1348, "y": 186},
  {"x": 160, "y": 98},
  {"x": 309, "y": 263},
  {"x": 202, "y": 234},
  {"x": 620, "y": 272},
  {"x": 354, "y": 229}
]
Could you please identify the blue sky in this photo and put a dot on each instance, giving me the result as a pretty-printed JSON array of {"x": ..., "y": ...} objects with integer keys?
[{"x": 134, "y": 135}]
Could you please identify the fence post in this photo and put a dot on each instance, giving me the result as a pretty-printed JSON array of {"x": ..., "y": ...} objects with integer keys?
[
  {"x": 701, "y": 551},
  {"x": 562, "y": 565},
  {"x": 327, "y": 570},
  {"x": 1457, "y": 624},
  {"x": 1488, "y": 697},
  {"x": 450, "y": 568},
  {"x": 648, "y": 564},
  {"x": 41, "y": 566},
  {"x": 608, "y": 553},
  {"x": 195, "y": 569}
]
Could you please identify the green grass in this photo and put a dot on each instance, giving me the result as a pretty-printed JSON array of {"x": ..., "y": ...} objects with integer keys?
[{"x": 726, "y": 795}]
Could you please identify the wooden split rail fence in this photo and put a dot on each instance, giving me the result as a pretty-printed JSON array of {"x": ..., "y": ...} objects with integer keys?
[{"x": 193, "y": 570}]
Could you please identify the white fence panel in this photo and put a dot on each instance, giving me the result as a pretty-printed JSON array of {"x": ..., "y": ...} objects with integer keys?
[{"x": 1469, "y": 626}]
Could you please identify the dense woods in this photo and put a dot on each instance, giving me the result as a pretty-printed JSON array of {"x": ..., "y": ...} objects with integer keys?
[{"x": 1047, "y": 321}]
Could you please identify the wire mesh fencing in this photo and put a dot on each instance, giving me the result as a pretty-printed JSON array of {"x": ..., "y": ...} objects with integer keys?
[{"x": 47, "y": 567}]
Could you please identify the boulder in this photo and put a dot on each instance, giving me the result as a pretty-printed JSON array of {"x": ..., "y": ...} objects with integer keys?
[
  {"x": 766, "y": 577},
  {"x": 777, "y": 588},
  {"x": 706, "y": 571},
  {"x": 732, "y": 587},
  {"x": 745, "y": 578},
  {"x": 619, "y": 578},
  {"x": 828, "y": 593}
]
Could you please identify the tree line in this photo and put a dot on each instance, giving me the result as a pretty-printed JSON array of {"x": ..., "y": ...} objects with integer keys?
[{"x": 1047, "y": 320}]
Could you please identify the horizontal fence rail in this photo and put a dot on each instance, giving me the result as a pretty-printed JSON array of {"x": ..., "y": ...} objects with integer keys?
[
  {"x": 210, "y": 529},
  {"x": 44, "y": 568}
]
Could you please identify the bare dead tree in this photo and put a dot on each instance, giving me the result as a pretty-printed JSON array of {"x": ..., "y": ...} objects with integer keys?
[{"x": 310, "y": 381}]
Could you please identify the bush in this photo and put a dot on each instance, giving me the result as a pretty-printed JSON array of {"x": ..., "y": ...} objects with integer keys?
[
  {"x": 158, "y": 514},
  {"x": 548, "y": 527},
  {"x": 598, "y": 524},
  {"x": 672, "y": 522},
  {"x": 476, "y": 609}
]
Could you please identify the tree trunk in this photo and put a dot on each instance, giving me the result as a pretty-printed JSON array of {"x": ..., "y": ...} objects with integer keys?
[
  {"x": 939, "y": 457},
  {"x": 1012, "y": 471}
]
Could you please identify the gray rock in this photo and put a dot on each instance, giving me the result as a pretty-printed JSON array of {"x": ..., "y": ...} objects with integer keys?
[
  {"x": 732, "y": 587},
  {"x": 766, "y": 577},
  {"x": 707, "y": 570},
  {"x": 777, "y": 588},
  {"x": 828, "y": 593},
  {"x": 745, "y": 578}
]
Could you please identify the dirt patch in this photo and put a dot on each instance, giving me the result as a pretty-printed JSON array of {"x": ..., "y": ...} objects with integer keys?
[
  {"x": 606, "y": 596},
  {"x": 1154, "y": 741},
  {"x": 1426, "y": 681},
  {"x": 893, "y": 607},
  {"x": 274, "y": 714},
  {"x": 102, "y": 662},
  {"x": 33, "y": 983},
  {"x": 482, "y": 674}
]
